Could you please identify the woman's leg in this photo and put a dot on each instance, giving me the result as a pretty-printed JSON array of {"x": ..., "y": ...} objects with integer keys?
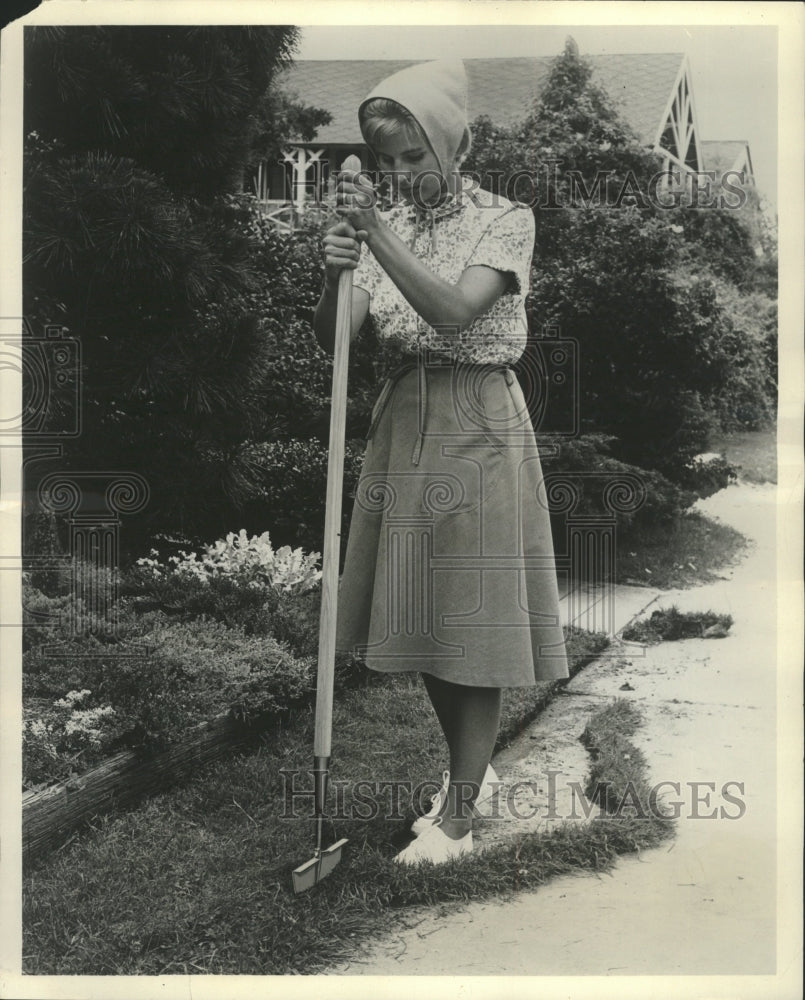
[
  {"x": 440, "y": 694},
  {"x": 470, "y": 718}
]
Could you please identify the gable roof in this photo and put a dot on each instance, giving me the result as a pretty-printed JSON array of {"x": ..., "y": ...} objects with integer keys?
[
  {"x": 640, "y": 86},
  {"x": 726, "y": 154}
]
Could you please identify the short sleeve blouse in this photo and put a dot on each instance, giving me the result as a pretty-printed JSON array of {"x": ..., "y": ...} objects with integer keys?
[{"x": 476, "y": 228}]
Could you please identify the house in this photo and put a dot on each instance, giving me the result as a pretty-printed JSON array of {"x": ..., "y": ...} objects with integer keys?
[
  {"x": 721, "y": 155},
  {"x": 652, "y": 92}
]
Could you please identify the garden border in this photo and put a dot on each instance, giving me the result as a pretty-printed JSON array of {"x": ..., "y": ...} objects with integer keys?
[{"x": 50, "y": 815}]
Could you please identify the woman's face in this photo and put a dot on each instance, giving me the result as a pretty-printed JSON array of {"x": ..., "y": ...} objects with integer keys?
[{"x": 411, "y": 166}]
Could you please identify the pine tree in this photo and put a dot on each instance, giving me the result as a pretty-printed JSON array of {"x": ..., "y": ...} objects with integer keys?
[{"x": 136, "y": 137}]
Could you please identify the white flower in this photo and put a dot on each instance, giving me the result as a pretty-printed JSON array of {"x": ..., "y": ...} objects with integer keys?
[
  {"x": 37, "y": 727},
  {"x": 252, "y": 561},
  {"x": 88, "y": 723},
  {"x": 72, "y": 697}
]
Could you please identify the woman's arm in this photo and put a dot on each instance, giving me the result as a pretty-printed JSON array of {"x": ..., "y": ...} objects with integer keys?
[
  {"x": 438, "y": 302},
  {"x": 342, "y": 252},
  {"x": 324, "y": 316}
]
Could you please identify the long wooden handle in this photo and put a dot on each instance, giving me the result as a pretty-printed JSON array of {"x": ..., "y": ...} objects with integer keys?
[{"x": 332, "y": 518}]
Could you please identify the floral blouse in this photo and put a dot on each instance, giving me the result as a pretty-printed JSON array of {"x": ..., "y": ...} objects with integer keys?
[{"x": 474, "y": 228}]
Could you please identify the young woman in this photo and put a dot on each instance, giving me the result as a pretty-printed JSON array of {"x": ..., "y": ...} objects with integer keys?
[{"x": 449, "y": 568}]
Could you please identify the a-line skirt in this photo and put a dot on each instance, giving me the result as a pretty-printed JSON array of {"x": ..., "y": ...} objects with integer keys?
[{"x": 449, "y": 566}]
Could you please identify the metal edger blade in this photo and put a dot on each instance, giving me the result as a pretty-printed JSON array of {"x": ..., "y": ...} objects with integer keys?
[{"x": 319, "y": 867}]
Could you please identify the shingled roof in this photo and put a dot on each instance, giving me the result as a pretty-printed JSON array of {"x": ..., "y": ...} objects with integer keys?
[
  {"x": 724, "y": 154},
  {"x": 502, "y": 88}
]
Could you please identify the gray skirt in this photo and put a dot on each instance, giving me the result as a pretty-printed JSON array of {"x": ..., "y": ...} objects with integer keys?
[{"x": 449, "y": 565}]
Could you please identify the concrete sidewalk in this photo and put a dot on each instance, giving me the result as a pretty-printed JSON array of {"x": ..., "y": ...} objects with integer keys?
[{"x": 704, "y": 903}]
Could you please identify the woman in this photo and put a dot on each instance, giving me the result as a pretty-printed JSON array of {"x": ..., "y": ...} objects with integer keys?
[{"x": 449, "y": 568}]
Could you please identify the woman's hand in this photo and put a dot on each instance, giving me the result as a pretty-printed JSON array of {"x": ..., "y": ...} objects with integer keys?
[
  {"x": 357, "y": 201},
  {"x": 342, "y": 251}
]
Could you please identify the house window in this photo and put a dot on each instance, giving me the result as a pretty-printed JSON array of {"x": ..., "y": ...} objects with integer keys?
[
  {"x": 668, "y": 139},
  {"x": 679, "y": 135}
]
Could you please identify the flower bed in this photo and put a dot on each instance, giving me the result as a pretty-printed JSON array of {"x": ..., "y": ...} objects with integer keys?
[
  {"x": 252, "y": 562},
  {"x": 209, "y": 654},
  {"x": 230, "y": 631}
]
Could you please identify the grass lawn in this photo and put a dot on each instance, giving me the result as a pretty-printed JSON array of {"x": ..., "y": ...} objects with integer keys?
[
  {"x": 695, "y": 549},
  {"x": 199, "y": 880},
  {"x": 753, "y": 452},
  {"x": 690, "y": 551}
]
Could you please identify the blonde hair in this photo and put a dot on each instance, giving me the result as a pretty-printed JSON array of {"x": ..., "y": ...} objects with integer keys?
[{"x": 382, "y": 118}]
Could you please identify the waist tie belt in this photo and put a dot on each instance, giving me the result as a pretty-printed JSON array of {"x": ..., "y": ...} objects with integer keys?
[{"x": 421, "y": 366}]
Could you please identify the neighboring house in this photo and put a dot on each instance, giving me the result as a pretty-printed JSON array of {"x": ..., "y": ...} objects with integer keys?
[
  {"x": 651, "y": 91},
  {"x": 721, "y": 155}
]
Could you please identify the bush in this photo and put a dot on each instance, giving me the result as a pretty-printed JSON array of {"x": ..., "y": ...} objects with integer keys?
[
  {"x": 190, "y": 644},
  {"x": 252, "y": 562},
  {"x": 241, "y": 582},
  {"x": 294, "y": 486},
  {"x": 192, "y": 671},
  {"x": 298, "y": 373},
  {"x": 657, "y": 501},
  {"x": 707, "y": 474},
  {"x": 291, "y": 618},
  {"x": 65, "y": 737},
  {"x": 43, "y": 616},
  {"x": 749, "y": 398},
  {"x": 41, "y": 540},
  {"x": 651, "y": 338}
]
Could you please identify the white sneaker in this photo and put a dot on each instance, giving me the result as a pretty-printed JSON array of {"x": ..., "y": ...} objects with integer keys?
[
  {"x": 434, "y": 846},
  {"x": 423, "y": 823},
  {"x": 490, "y": 787}
]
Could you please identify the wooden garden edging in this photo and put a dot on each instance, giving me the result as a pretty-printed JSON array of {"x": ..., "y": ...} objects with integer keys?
[{"x": 50, "y": 815}]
